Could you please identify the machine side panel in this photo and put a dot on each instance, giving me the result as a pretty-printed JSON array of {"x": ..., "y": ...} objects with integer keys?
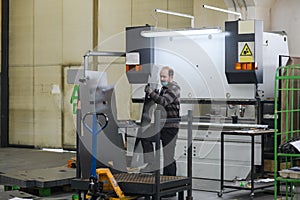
[
  {"x": 231, "y": 49},
  {"x": 144, "y": 46},
  {"x": 274, "y": 45},
  {"x": 259, "y": 50},
  {"x": 110, "y": 145}
]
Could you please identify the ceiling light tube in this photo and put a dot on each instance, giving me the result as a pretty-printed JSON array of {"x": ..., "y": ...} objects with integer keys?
[
  {"x": 171, "y": 33},
  {"x": 223, "y": 10},
  {"x": 176, "y": 14}
]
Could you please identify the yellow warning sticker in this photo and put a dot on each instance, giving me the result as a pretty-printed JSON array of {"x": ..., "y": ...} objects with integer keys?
[{"x": 246, "y": 51}]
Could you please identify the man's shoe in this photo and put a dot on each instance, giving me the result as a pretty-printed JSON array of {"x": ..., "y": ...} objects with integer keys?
[{"x": 147, "y": 169}]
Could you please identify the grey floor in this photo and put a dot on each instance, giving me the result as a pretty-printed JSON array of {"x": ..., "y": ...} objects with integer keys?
[{"x": 20, "y": 159}]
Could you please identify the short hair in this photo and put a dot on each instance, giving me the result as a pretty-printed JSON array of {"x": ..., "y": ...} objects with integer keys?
[{"x": 170, "y": 70}]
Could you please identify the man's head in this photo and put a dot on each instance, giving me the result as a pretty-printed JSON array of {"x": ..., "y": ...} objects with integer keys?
[{"x": 166, "y": 75}]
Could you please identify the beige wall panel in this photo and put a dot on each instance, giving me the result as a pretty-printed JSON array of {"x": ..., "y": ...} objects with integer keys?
[
  {"x": 77, "y": 29},
  {"x": 209, "y": 18},
  {"x": 143, "y": 13},
  {"x": 48, "y": 32},
  {"x": 286, "y": 17},
  {"x": 264, "y": 14},
  {"x": 114, "y": 16},
  {"x": 180, "y": 6},
  {"x": 69, "y": 119},
  {"x": 21, "y": 87},
  {"x": 48, "y": 106},
  {"x": 21, "y": 33},
  {"x": 123, "y": 94},
  {"x": 21, "y": 106},
  {"x": 21, "y": 127}
]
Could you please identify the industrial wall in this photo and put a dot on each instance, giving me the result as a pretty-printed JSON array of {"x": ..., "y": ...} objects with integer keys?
[
  {"x": 47, "y": 37},
  {"x": 286, "y": 16}
]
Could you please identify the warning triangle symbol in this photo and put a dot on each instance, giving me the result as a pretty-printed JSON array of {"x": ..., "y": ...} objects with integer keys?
[{"x": 246, "y": 51}]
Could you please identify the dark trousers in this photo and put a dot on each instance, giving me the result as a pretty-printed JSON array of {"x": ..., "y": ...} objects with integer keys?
[{"x": 168, "y": 136}]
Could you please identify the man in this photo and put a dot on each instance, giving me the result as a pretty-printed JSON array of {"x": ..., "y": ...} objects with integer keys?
[{"x": 168, "y": 102}]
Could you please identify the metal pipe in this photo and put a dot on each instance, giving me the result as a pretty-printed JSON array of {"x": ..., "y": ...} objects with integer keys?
[
  {"x": 228, "y": 125},
  {"x": 105, "y": 53},
  {"x": 97, "y": 53},
  {"x": 85, "y": 67},
  {"x": 4, "y": 135},
  {"x": 190, "y": 149},
  {"x": 177, "y": 14},
  {"x": 78, "y": 133},
  {"x": 223, "y": 10},
  {"x": 157, "y": 153}
]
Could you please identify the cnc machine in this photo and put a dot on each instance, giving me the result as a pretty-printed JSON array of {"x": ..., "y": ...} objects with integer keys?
[{"x": 226, "y": 78}]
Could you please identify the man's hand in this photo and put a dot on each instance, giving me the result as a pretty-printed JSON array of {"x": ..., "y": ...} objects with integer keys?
[{"x": 148, "y": 90}]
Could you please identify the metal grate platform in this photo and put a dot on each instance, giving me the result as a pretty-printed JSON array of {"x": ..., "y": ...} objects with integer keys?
[
  {"x": 142, "y": 184},
  {"x": 144, "y": 178}
]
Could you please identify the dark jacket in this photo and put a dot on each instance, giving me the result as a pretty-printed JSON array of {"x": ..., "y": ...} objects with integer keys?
[{"x": 168, "y": 101}]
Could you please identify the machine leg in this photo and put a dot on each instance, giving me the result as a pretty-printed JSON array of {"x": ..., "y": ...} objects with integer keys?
[
  {"x": 180, "y": 195},
  {"x": 147, "y": 197},
  {"x": 189, "y": 198},
  {"x": 79, "y": 195},
  {"x": 84, "y": 195}
]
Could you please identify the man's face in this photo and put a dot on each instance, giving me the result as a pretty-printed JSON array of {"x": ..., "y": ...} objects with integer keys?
[{"x": 164, "y": 76}]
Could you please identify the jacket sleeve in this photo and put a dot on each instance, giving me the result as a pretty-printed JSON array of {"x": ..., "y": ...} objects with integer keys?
[{"x": 167, "y": 98}]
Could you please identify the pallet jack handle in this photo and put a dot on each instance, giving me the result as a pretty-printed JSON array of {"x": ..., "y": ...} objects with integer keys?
[
  {"x": 95, "y": 115},
  {"x": 95, "y": 131}
]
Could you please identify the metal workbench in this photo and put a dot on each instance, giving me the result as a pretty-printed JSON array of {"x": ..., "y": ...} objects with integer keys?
[{"x": 252, "y": 134}]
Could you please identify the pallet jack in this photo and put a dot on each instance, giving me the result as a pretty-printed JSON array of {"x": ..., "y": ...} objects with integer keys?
[{"x": 102, "y": 184}]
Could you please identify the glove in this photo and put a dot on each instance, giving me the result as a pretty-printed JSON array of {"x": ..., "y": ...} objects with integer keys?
[{"x": 148, "y": 90}]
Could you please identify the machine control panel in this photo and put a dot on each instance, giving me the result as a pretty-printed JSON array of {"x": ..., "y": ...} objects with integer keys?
[{"x": 243, "y": 52}]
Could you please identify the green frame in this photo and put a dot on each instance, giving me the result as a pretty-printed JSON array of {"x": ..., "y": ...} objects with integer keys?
[{"x": 286, "y": 125}]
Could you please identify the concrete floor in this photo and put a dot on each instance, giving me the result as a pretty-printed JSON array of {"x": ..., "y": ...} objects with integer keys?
[{"x": 22, "y": 159}]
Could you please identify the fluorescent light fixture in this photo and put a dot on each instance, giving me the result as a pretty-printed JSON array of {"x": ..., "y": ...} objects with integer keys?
[
  {"x": 183, "y": 32},
  {"x": 223, "y": 10},
  {"x": 176, "y": 14}
]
